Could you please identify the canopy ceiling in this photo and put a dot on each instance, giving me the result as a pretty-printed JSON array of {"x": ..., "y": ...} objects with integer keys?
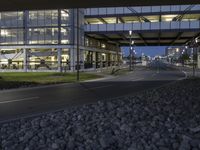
[{"x": 13, "y": 5}]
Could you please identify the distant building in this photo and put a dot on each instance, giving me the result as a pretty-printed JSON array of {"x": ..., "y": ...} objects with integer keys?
[{"x": 174, "y": 52}]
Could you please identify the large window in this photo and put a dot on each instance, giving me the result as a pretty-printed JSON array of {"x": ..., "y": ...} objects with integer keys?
[
  {"x": 65, "y": 38},
  {"x": 43, "y": 18},
  {"x": 65, "y": 17},
  {"x": 11, "y": 19},
  {"x": 11, "y": 36},
  {"x": 43, "y": 36}
]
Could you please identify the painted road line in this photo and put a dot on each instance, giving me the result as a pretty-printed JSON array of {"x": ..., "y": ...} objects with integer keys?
[
  {"x": 100, "y": 87},
  {"x": 185, "y": 73},
  {"x": 19, "y": 100},
  {"x": 137, "y": 79}
]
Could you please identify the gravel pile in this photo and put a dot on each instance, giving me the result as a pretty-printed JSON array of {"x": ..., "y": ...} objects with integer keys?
[{"x": 163, "y": 119}]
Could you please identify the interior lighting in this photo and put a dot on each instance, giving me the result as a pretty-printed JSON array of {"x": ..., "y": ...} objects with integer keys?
[{"x": 130, "y": 32}]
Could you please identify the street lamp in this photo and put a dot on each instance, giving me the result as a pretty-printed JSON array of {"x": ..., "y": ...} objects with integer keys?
[
  {"x": 133, "y": 52},
  {"x": 130, "y": 49}
]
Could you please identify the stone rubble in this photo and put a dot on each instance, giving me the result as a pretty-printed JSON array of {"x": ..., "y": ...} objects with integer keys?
[{"x": 167, "y": 118}]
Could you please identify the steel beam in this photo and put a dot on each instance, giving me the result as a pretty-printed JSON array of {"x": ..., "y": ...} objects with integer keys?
[
  {"x": 177, "y": 38},
  {"x": 102, "y": 20},
  {"x": 142, "y": 38}
]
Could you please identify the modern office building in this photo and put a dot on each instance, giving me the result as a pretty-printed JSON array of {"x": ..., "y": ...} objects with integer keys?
[{"x": 47, "y": 40}]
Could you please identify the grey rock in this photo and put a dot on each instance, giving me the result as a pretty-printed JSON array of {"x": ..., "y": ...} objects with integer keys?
[
  {"x": 125, "y": 127},
  {"x": 194, "y": 142},
  {"x": 70, "y": 143},
  {"x": 43, "y": 123},
  {"x": 55, "y": 146},
  {"x": 156, "y": 135},
  {"x": 104, "y": 141},
  {"x": 185, "y": 143},
  {"x": 133, "y": 146},
  {"x": 151, "y": 120},
  {"x": 196, "y": 129}
]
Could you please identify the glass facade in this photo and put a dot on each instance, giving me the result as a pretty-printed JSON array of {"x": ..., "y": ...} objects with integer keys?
[
  {"x": 46, "y": 40},
  {"x": 43, "y": 27}
]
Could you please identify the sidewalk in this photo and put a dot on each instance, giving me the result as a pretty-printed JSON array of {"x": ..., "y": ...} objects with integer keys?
[{"x": 188, "y": 70}]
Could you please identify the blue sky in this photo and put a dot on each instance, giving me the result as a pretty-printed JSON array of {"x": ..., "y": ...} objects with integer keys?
[{"x": 147, "y": 50}]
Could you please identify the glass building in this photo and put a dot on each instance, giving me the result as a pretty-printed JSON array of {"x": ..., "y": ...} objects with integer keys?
[{"x": 46, "y": 40}]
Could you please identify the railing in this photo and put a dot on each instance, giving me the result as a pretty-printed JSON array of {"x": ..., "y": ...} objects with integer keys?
[
  {"x": 173, "y": 25},
  {"x": 144, "y": 9}
]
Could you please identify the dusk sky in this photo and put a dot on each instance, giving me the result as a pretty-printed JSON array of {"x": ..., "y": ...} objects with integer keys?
[{"x": 147, "y": 50}]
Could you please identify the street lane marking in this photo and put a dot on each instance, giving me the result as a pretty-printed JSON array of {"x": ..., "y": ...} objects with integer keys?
[
  {"x": 99, "y": 87},
  {"x": 137, "y": 79},
  {"x": 18, "y": 100},
  {"x": 185, "y": 76}
]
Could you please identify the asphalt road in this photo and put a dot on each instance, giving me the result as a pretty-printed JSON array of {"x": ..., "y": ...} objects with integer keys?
[{"x": 29, "y": 101}]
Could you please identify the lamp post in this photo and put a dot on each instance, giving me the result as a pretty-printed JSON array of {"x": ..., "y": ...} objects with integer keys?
[
  {"x": 130, "y": 53},
  {"x": 193, "y": 68},
  {"x": 197, "y": 40},
  {"x": 191, "y": 45},
  {"x": 133, "y": 52}
]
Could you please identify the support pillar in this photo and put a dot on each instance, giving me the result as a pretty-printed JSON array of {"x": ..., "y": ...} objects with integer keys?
[
  {"x": 94, "y": 61},
  {"x": 0, "y": 60},
  {"x": 25, "y": 60},
  {"x": 116, "y": 59},
  {"x": 59, "y": 52},
  {"x": 82, "y": 59},
  {"x": 107, "y": 59},
  {"x": 72, "y": 60},
  {"x": 101, "y": 62},
  {"x": 198, "y": 57}
]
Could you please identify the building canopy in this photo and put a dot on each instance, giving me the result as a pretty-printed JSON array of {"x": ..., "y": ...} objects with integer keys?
[{"x": 13, "y": 5}]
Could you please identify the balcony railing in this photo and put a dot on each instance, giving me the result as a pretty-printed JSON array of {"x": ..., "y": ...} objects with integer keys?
[
  {"x": 173, "y": 25},
  {"x": 144, "y": 9}
]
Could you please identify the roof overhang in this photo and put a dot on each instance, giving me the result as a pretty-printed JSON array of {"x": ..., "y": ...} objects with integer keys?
[{"x": 13, "y": 5}]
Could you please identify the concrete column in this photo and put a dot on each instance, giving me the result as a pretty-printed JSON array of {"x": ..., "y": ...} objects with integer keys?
[
  {"x": 72, "y": 59},
  {"x": 25, "y": 60},
  {"x": 101, "y": 61},
  {"x": 0, "y": 60},
  {"x": 59, "y": 52},
  {"x": 82, "y": 59},
  {"x": 198, "y": 57},
  {"x": 94, "y": 60},
  {"x": 107, "y": 59},
  {"x": 114, "y": 59}
]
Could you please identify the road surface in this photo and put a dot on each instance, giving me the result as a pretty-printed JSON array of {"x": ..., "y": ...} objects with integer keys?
[{"x": 30, "y": 101}]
